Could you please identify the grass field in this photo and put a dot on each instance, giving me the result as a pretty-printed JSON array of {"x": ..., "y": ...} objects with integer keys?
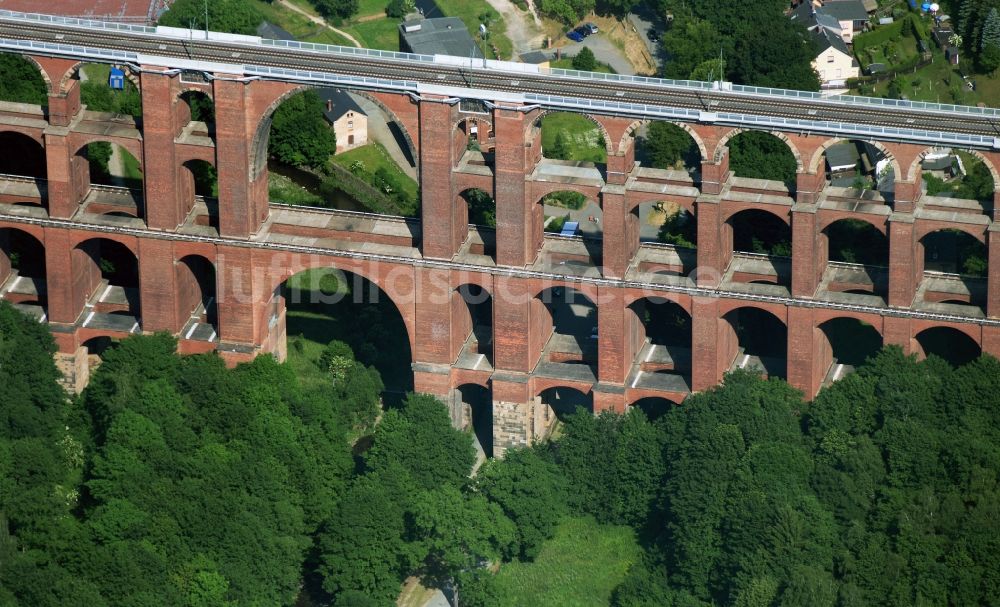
[
  {"x": 469, "y": 12},
  {"x": 579, "y": 567},
  {"x": 379, "y": 33},
  {"x": 582, "y": 136},
  {"x": 374, "y": 157},
  {"x": 321, "y": 308},
  {"x": 283, "y": 189}
]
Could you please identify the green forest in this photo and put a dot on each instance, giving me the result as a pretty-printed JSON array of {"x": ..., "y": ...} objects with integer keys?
[{"x": 173, "y": 480}]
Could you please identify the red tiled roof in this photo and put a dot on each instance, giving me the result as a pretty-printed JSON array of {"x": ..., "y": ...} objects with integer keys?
[{"x": 130, "y": 11}]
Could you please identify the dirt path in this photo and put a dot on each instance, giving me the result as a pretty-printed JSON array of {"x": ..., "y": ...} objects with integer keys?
[
  {"x": 523, "y": 29},
  {"x": 319, "y": 21},
  {"x": 116, "y": 166}
]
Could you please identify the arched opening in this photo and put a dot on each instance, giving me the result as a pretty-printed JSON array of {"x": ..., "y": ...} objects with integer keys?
[
  {"x": 949, "y": 344},
  {"x": 759, "y": 155},
  {"x": 762, "y": 248},
  {"x": 572, "y": 214},
  {"x": 477, "y": 352},
  {"x": 196, "y": 298},
  {"x": 849, "y": 343},
  {"x": 665, "y": 223},
  {"x": 664, "y": 145},
  {"x": 760, "y": 232},
  {"x": 23, "y": 167},
  {"x": 654, "y": 407},
  {"x": 664, "y": 353},
  {"x": 21, "y": 81},
  {"x": 859, "y": 165},
  {"x": 564, "y": 401},
  {"x": 474, "y": 143},
  {"x": 22, "y": 157},
  {"x": 569, "y": 319},
  {"x": 478, "y": 405},
  {"x": 199, "y": 187},
  {"x": 106, "y": 273},
  {"x": 22, "y": 268},
  {"x": 200, "y": 112},
  {"x": 957, "y": 174},
  {"x": 482, "y": 213},
  {"x": 668, "y": 223},
  {"x": 759, "y": 340},
  {"x": 320, "y": 305},
  {"x": 954, "y": 252},
  {"x": 855, "y": 242},
  {"x": 117, "y": 173},
  {"x": 97, "y": 346},
  {"x": 571, "y": 137},
  {"x": 107, "y": 88}
]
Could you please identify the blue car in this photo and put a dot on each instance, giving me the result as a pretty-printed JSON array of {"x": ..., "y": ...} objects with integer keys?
[{"x": 575, "y": 36}]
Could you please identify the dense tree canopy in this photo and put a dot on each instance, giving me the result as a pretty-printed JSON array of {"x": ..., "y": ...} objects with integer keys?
[
  {"x": 20, "y": 81},
  {"x": 175, "y": 480},
  {"x": 231, "y": 16},
  {"x": 759, "y": 46},
  {"x": 300, "y": 135}
]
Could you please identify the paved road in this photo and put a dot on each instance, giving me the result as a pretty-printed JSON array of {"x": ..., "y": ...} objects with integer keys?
[
  {"x": 378, "y": 130},
  {"x": 605, "y": 52}
]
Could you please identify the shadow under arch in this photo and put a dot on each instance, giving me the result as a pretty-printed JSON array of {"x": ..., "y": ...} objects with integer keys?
[
  {"x": 479, "y": 403},
  {"x": 758, "y": 339},
  {"x": 949, "y": 344},
  {"x": 564, "y": 401},
  {"x": 323, "y": 302}
]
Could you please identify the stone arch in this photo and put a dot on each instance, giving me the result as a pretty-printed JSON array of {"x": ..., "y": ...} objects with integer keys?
[
  {"x": 846, "y": 348},
  {"x": 132, "y": 146},
  {"x": 957, "y": 344},
  {"x": 472, "y": 118},
  {"x": 821, "y": 150},
  {"x": 636, "y": 124},
  {"x": 130, "y": 75},
  {"x": 827, "y": 220},
  {"x": 23, "y": 251},
  {"x": 41, "y": 70},
  {"x": 196, "y": 285},
  {"x": 367, "y": 271},
  {"x": 864, "y": 245},
  {"x": 36, "y": 135},
  {"x": 719, "y": 147},
  {"x": 407, "y": 136},
  {"x": 261, "y": 136},
  {"x": 928, "y": 228},
  {"x": 769, "y": 209},
  {"x": 23, "y": 162},
  {"x": 536, "y": 126},
  {"x": 750, "y": 326},
  {"x": 914, "y": 166},
  {"x": 472, "y": 307}
]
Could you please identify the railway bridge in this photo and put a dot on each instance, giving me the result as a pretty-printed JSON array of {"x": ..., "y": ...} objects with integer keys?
[{"x": 513, "y": 317}]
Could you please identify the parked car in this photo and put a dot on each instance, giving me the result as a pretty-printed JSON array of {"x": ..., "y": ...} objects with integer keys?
[
  {"x": 575, "y": 36},
  {"x": 591, "y": 27}
]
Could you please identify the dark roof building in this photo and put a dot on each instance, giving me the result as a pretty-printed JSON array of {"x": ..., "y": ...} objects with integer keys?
[
  {"x": 846, "y": 10},
  {"x": 336, "y": 103},
  {"x": 441, "y": 36},
  {"x": 273, "y": 32}
]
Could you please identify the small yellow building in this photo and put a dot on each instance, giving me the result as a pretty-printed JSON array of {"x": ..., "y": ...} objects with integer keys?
[{"x": 348, "y": 121}]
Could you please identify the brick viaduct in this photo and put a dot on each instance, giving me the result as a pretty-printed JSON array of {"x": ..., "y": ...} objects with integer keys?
[{"x": 211, "y": 272}]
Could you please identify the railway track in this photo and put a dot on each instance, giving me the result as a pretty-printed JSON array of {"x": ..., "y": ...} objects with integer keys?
[{"x": 698, "y": 102}]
